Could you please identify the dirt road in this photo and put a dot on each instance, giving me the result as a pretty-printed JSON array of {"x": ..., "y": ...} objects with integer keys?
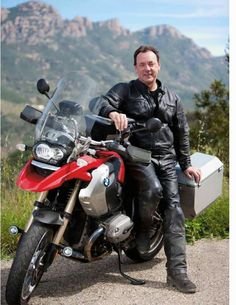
[{"x": 99, "y": 283}]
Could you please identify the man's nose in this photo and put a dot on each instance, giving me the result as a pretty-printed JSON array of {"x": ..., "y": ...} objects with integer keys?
[{"x": 147, "y": 67}]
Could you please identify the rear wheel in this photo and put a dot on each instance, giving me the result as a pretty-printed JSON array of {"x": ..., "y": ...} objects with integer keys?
[
  {"x": 29, "y": 264},
  {"x": 156, "y": 237}
]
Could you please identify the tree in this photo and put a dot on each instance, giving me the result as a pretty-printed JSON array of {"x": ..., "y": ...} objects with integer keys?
[
  {"x": 227, "y": 55},
  {"x": 210, "y": 129}
]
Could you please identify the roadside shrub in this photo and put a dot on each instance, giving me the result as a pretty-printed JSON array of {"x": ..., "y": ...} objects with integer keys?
[
  {"x": 17, "y": 206},
  {"x": 213, "y": 222}
]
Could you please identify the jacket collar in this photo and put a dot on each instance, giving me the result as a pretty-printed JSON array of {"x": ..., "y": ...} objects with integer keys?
[{"x": 144, "y": 88}]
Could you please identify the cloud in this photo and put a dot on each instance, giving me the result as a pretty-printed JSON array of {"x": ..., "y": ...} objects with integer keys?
[
  {"x": 178, "y": 9},
  {"x": 199, "y": 13},
  {"x": 221, "y": 4},
  {"x": 214, "y": 39},
  {"x": 205, "y": 32}
]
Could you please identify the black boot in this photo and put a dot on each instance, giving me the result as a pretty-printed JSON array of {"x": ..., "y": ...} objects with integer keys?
[
  {"x": 143, "y": 242},
  {"x": 181, "y": 281}
]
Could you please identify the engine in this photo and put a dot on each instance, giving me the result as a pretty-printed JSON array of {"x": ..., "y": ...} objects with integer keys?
[{"x": 118, "y": 228}]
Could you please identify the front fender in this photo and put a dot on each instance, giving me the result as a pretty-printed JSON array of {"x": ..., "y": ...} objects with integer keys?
[{"x": 48, "y": 217}]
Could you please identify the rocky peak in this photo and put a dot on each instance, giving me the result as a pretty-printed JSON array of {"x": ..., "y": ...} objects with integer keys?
[
  {"x": 35, "y": 8},
  {"x": 77, "y": 27},
  {"x": 83, "y": 21},
  {"x": 167, "y": 30},
  {"x": 30, "y": 22},
  {"x": 163, "y": 29},
  {"x": 34, "y": 22},
  {"x": 4, "y": 14},
  {"x": 113, "y": 25}
]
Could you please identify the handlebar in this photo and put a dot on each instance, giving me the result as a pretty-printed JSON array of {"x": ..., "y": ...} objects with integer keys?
[
  {"x": 119, "y": 145},
  {"x": 92, "y": 142},
  {"x": 129, "y": 152}
]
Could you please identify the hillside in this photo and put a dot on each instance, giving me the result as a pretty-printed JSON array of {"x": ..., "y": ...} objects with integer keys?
[{"x": 37, "y": 42}]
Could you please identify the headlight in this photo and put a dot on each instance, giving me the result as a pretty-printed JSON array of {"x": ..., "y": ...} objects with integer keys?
[{"x": 45, "y": 152}]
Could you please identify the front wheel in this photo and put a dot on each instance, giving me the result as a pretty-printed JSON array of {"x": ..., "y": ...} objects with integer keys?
[
  {"x": 156, "y": 237},
  {"x": 28, "y": 265}
]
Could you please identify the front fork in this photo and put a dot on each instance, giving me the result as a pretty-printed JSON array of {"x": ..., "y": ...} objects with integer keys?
[
  {"x": 55, "y": 245},
  {"x": 40, "y": 201},
  {"x": 67, "y": 212}
]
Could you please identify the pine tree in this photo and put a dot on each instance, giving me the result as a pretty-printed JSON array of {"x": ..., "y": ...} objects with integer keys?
[{"x": 209, "y": 132}]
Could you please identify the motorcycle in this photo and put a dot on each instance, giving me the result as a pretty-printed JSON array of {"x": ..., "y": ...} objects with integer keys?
[{"x": 84, "y": 210}]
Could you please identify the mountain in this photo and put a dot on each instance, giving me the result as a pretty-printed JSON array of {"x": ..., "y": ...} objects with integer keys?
[{"x": 37, "y": 42}]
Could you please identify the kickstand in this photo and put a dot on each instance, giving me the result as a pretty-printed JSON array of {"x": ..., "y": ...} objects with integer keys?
[{"x": 132, "y": 280}]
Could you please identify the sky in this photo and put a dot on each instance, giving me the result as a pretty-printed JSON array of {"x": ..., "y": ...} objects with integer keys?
[{"x": 205, "y": 21}]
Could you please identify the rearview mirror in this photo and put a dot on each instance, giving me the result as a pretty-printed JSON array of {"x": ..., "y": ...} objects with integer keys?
[{"x": 43, "y": 86}]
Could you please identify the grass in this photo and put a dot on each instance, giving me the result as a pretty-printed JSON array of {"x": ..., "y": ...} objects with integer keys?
[
  {"x": 15, "y": 210},
  {"x": 17, "y": 206},
  {"x": 213, "y": 222}
]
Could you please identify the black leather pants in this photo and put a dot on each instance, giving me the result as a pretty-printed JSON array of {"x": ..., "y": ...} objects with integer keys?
[{"x": 151, "y": 182}]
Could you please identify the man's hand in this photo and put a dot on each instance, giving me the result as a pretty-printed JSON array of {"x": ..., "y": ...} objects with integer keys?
[
  {"x": 193, "y": 172},
  {"x": 120, "y": 120}
]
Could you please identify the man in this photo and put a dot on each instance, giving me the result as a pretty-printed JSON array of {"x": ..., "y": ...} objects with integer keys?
[{"x": 142, "y": 99}]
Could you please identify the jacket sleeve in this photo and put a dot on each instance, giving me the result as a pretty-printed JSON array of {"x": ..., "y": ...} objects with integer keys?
[
  {"x": 113, "y": 99},
  {"x": 181, "y": 136}
]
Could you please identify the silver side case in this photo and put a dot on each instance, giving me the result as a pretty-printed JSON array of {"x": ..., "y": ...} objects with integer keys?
[{"x": 195, "y": 198}]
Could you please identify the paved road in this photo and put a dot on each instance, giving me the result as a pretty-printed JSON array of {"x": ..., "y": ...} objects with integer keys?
[{"x": 99, "y": 283}]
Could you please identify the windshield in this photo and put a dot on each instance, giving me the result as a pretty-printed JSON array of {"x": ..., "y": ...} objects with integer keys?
[{"x": 64, "y": 117}]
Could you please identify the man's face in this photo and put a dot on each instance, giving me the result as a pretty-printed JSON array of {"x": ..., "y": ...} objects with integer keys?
[{"x": 147, "y": 67}]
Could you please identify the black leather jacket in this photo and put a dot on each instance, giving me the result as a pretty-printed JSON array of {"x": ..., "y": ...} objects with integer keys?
[{"x": 137, "y": 102}]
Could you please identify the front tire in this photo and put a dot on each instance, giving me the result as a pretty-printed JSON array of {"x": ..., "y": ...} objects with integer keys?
[
  {"x": 156, "y": 237},
  {"x": 28, "y": 265}
]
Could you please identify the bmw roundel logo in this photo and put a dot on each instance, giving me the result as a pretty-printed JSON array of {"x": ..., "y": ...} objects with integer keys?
[{"x": 106, "y": 181}]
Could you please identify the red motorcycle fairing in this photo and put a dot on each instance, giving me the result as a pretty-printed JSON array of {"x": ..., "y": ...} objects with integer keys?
[{"x": 32, "y": 181}]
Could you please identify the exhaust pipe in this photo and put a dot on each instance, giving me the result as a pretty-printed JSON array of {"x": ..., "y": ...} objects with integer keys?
[{"x": 88, "y": 248}]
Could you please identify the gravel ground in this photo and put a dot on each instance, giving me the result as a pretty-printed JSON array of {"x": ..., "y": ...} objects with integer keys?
[{"x": 99, "y": 283}]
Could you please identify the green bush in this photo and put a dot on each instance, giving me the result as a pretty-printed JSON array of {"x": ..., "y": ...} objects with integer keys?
[
  {"x": 17, "y": 206},
  {"x": 16, "y": 210},
  {"x": 213, "y": 222}
]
